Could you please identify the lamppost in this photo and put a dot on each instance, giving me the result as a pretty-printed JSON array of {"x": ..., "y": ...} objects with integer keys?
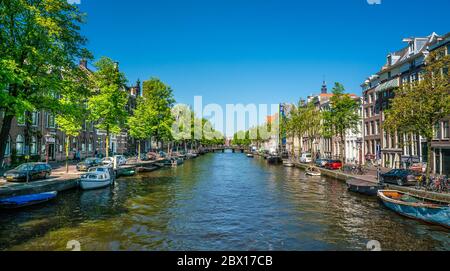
[
  {"x": 359, "y": 141},
  {"x": 47, "y": 139}
]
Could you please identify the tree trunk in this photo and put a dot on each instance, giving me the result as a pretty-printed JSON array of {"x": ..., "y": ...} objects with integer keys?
[
  {"x": 139, "y": 150},
  {"x": 67, "y": 153},
  {"x": 107, "y": 144},
  {"x": 429, "y": 155},
  {"x": 342, "y": 148},
  {"x": 4, "y": 134}
]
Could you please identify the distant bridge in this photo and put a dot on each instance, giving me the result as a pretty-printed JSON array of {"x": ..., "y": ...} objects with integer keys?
[{"x": 234, "y": 149}]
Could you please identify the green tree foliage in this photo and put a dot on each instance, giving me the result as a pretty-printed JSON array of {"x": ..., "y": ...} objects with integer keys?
[
  {"x": 71, "y": 107},
  {"x": 419, "y": 106},
  {"x": 107, "y": 105},
  {"x": 160, "y": 101},
  {"x": 140, "y": 123},
  {"x": 342, "y": 117},
  {"x": 40, "y": 41}
]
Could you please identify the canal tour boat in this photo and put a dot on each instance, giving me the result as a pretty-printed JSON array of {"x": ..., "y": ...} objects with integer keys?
[
  {"x": 362, "y": 187},
  {"x": 313, "y": 171},
  {"x": 99, "y": 177},
  {"x": 27, "y": 200},
  {"x": 415, "y": 207}
]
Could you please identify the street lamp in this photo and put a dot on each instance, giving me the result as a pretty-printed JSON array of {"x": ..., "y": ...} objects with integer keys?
[
  {"x": 359, "y": 141},
  {"x": 47, "y": 139}
]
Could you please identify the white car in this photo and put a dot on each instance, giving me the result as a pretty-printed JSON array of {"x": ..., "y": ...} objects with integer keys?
[
  {"x": 121, "y": 160},
  {"x": 109, "y": 161},
  {"x": 306, "y": 158}
]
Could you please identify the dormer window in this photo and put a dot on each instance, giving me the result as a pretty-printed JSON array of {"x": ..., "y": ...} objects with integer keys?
[
  {"x": 389, "y": 60},
  {"x": 412, "y": 47}
]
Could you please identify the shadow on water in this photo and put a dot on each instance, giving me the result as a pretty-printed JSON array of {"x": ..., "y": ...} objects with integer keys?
[{"x": 217, "y": 202}]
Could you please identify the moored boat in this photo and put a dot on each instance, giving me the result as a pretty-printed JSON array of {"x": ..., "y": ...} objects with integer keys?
[
  {"x": 415, "y": 207},
  {"x": 274, "y": 159},
  {"x": 27, "y": 200},
  {"x": 362, "y": 187},
  {"x": 128, "y": 172},
  {"x": 97, "y": 178},
  {"x": 313, "y": 171},
  {"x": 250, "y": 155},
  {"x": 288, "y": 163}
]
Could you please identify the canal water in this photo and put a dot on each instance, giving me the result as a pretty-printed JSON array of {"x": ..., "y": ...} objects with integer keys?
[{"x": 220, "y": 201}]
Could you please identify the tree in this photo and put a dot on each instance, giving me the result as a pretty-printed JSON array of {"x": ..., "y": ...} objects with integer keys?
[
  {"x": 160, "y": 102},
  {"x": 140, "y": 124},
  {"x": 312, "y": 125},
  {"x": 419, "y": 106},
  {"x": 40, "y": 40},
  {"x": 342, "y": 117},
  {"x": 107, "y": 105},
  {"x": 71, "y": 107}
]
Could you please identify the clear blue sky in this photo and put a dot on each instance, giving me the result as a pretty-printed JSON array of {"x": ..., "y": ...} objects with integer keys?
[{"x": 247, "y": 51}]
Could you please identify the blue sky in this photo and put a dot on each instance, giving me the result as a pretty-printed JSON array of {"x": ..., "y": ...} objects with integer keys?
[{"x": 246, "y": 51}]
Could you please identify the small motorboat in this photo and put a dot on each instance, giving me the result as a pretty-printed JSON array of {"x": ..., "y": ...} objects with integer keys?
[
  {"x": 97, "y": 178},
  {"x": 148, "y": 169},
  {"x": 27, "y": 200},
  {"x": 274, "y": 159},
  {"x": 250, "y": 155},
  {"x": 362, "y": 187},
  {"x": 288, "y": 163},
  {"x": 416, "y": 207},
  {"x": 128, "y": 172},
  {"x": 313, "y": 171}
]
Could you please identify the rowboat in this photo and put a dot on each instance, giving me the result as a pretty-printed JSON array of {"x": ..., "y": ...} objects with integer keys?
[
  {"x": 415, "y": 207},
  {"x": 313, "y": 171},
  {"x": 362, "y": 187},
  {"x": 27, "y": 200}
]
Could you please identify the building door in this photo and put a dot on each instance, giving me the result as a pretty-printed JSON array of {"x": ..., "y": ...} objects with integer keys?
[
  {"x": 446, "y": 162},
  {"x": 438, "y": 161},
  {"x": 51, "y": 152}
]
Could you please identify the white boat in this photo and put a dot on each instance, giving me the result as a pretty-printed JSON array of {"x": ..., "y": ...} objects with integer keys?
[
  {"x": 96, "y": 178},
  {"x": 288, "y": 163},
  {"x": 312, "y": 171},
  {"x": 250, "y": 155}
]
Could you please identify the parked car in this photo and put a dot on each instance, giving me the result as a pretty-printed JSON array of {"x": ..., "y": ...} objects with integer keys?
[
  {"x": 88, "y": 163},
  {"x": 321, "y": 162},
  {"x": 419, "y": 167},
  {"x": 306, "y": 158},
  {"x": 121, "y": 160},
  {"x": 401, "y": 177},
  {"x": 334, "y": 165},
  {"x": 29, "y": 172}
]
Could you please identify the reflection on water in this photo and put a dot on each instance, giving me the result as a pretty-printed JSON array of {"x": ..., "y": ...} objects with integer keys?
[{"x": 217, "y": 202}]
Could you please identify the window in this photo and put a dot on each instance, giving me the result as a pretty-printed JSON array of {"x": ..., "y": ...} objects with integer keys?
[
  {"x": 8, "y": 147},
  {"x": 33, "y": 145},
  {"x": 35, "y": 119},
  {"x": 446, "y": 131},
  {"x": 50, "y": 121},
  {"x": 20, "y": 145},
  {"x": 437, "y": 131}
]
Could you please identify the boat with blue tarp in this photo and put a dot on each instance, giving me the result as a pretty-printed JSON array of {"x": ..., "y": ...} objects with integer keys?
[
  {"x": 27, "y": 200},
  {"x": 416, "y": 207}
]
